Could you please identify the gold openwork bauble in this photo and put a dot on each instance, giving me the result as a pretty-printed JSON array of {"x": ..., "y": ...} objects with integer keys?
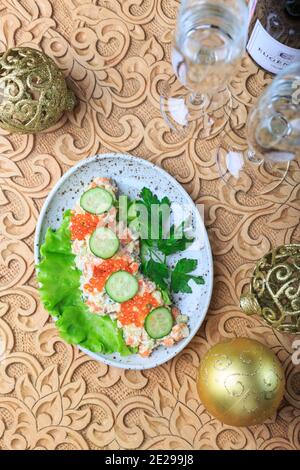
[
  {"x": 275, "y": 289},
  {"x": 33, "y": 91},
  {"x": 241, "y": 382}
]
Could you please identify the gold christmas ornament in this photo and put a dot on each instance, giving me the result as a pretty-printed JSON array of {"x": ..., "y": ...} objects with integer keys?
[
  {"x": 275, "y": 289},
  {"x": 241, "y": 382},
  {"x": 33, "y": 91}
]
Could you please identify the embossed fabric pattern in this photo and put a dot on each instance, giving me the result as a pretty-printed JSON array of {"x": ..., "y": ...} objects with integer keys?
[{"x": 114, "y": 54}]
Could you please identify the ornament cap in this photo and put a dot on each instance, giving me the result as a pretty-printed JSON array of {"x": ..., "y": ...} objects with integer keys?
[
  {"x": 71, "y": 100},
  {"x": 249, "y": 304}
]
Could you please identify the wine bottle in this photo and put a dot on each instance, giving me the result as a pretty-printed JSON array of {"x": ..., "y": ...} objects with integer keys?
[{"x": 274, "y": 33}]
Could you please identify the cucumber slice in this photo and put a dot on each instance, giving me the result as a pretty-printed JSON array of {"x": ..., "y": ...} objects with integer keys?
[
  {"x": 96, "y": 200},
  {"x": 104, "y": 243},
  {"x": 159, "y": 322},
  {"x": 132, "y": 211},
  {"x": 121, "y": 286}
]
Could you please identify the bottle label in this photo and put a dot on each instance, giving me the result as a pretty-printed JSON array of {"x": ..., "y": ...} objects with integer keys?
[{"x": 269, "y": 53}]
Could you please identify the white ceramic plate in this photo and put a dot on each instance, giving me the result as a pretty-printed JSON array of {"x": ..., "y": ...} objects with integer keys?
[{"x": 131, "y": 175}]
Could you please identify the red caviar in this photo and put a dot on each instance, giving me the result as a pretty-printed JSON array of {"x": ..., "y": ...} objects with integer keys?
[
  {"x": 82, "y": 225},
  {"x": 136, "y": 309},
  {"x": 105, "y": 269}
]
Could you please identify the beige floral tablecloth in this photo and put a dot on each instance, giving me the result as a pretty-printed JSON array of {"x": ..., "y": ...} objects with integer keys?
[{"x": 52, "y": 396}]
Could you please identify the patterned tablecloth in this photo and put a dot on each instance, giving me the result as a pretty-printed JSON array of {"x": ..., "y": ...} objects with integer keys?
[{"x": 52, "y": 395}]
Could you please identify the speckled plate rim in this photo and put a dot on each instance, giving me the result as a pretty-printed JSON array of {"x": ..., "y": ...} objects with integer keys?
[{"x": 37, "y": 240}]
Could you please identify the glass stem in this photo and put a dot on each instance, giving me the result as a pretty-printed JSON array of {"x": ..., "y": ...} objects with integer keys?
[{"x": 253, "y": 157}]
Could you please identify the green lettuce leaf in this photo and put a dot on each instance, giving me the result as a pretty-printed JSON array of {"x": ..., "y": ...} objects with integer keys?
[
  {"x": 96, "y": 333},
  {"x": 60, "y": 294}
]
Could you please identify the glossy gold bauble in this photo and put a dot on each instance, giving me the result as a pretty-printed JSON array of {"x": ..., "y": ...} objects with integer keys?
[
  {"x": 33, "y": 91},
  {"x": 275, "y": 289},
  {"x": 241, "y": 382}
]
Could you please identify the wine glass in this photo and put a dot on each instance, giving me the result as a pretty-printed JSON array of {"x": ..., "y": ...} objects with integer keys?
[
  {"x": 209, "y": 40},
  {"x": 273, "y": 139}
]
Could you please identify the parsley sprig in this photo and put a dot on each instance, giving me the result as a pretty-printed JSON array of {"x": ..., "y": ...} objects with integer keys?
[
  {"x": 181, "y": 276},
  {"x": 154, "y": 251}
]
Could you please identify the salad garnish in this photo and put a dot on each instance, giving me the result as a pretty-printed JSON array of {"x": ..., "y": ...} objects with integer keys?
[{"x": 109, "y": 286}]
